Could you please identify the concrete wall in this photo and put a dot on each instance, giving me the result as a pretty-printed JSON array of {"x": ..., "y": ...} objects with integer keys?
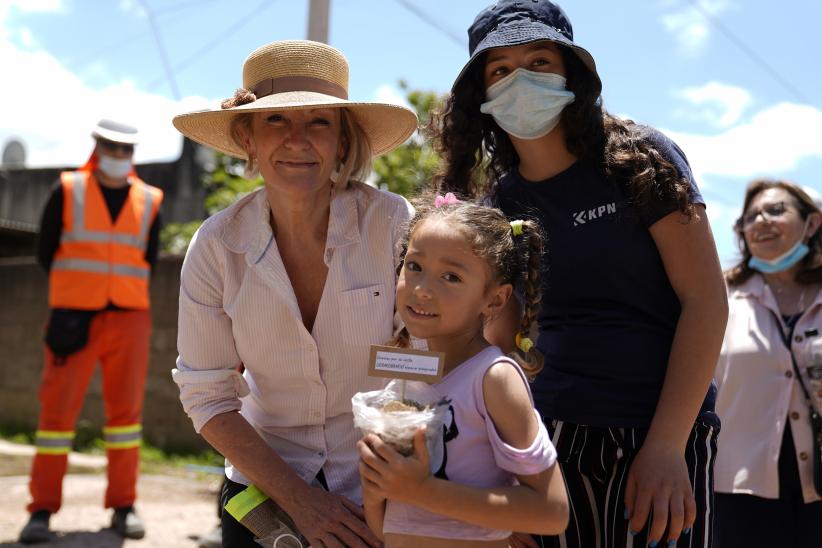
[{"x": 23, "y": 313}]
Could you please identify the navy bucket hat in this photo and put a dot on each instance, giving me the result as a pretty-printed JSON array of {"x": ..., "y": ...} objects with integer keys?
[{"x": 517, "y": 22}]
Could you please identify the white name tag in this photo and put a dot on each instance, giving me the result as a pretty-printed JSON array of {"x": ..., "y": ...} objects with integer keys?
[{"x": 405, "y": 363}]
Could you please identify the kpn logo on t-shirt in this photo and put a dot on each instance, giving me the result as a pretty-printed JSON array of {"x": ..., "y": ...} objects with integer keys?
[{"x": 587, "y": 215}]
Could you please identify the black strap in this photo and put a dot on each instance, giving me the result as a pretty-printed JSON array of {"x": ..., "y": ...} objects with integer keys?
[{"x": 786, "y": 339}]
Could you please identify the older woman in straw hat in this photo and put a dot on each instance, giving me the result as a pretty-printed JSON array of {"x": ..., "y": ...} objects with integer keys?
[{"x": 291, "y": 283}]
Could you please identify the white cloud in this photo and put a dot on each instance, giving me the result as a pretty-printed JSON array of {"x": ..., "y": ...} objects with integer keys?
[
  {"x": 774, "y": 140},
  {"x": 390, "y": 94},
  {"x": 719, "y": 104},
  {"x": 690, "y": 27},
  {"x": 715, "y": 210},
  {"x": 29, "y": 6},
  {"x": 56, "y": 133},
  {"x": 132, "y": 7},
  {"x": 7, "y": 7},
  {"x": 26, "y": 37}
]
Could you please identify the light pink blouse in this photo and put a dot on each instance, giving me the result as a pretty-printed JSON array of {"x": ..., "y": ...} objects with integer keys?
[
  {"x": 759, "y": 393},
  {"x": 237, "y": 307},
  {"x": 471, "y": 453}
]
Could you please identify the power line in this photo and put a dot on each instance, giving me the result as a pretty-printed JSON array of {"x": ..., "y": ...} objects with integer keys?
[
  {"x": 433, "y": 22},
  {"x": 748, "y": 51},
  {"x": 123, "y": 42},
  {"x": 220, "y": 37},
  {"x": 162, "y": 50}
]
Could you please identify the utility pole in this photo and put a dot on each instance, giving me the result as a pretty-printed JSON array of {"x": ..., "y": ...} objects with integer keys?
[{"x": 318, "y": 20}]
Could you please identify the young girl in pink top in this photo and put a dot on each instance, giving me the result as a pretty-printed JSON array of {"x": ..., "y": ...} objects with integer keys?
[{"x": 498, "y": 472}]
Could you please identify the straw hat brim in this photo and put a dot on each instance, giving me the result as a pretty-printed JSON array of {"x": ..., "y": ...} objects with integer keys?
[{"x": 387, "y": 126}]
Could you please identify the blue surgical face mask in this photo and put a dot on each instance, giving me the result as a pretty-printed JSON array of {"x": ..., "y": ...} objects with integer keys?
[
  {"x": 527, "y": 104},
  {"x": 784, "y": 261}
]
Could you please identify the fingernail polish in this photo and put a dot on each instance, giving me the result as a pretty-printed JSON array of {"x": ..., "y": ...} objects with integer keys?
[
  {"x": 686, "y": 531},
  {"x": 672, "y": 543},
  {"x": 633, "y": 533},
  {"x": 627, "y": 514},
  {"x": 652, "y": 544}
]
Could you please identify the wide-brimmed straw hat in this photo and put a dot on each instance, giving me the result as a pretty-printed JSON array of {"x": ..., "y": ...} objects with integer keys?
[
  {"x": 295, "y": 75},
  {"x": 513, "y": 23}
]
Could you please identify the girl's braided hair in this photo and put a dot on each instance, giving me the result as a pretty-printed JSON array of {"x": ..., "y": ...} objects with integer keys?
[{"x": 515, "y": 260}]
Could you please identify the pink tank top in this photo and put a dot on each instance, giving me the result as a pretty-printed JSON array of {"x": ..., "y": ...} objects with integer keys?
[{"x": 471, "y": 453}]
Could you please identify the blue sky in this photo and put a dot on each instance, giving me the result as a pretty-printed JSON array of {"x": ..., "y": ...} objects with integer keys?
[{"x": 737, "y": 83}]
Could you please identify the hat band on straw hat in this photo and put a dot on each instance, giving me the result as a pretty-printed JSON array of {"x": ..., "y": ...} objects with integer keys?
[{"x": 298, "y": 83}]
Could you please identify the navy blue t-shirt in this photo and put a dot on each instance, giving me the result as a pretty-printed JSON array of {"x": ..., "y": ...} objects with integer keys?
[{"x": 608, "y": 312}]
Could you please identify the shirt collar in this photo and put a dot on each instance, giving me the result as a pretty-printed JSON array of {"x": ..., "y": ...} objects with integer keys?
[
  {"x": 756, "y": 288},
  {"x": 247, "y": 229}
]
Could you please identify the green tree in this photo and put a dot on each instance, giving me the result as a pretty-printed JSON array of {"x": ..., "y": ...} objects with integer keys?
[
  {"x": 225, "y": 184},
  {"x": 411, "y": 166}
]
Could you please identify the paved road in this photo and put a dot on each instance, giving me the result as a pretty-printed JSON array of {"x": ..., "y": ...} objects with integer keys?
[{"x": 176, "y": 509}]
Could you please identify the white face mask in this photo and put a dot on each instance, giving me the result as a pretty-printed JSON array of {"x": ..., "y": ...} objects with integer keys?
[
  {"x": 527, "y": 104},
  {"x": 116, "y": 168}
]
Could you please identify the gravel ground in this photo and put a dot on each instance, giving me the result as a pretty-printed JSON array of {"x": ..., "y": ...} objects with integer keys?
[{"x": 177, "y": 509}]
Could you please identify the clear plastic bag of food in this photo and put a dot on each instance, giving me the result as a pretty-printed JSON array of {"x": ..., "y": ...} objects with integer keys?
[{"x": 397, "y": 412}]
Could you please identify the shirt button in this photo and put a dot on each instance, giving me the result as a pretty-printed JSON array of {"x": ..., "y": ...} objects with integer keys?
[
  {"x": 798, "y": 338},
  {"x": 795, "y": 415},
  {"x": 789, "y": 374},
  {"x": 317, "y": 414},
  {"x": 803, "y": 455}
]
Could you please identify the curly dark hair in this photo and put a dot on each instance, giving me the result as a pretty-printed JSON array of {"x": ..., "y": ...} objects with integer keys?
[
  {"x": 515, "y": 260},
  {"x": 477, "y": 152},
  {"x": 810, "y": 271}
]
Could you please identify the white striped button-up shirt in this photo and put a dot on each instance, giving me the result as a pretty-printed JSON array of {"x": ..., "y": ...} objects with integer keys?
[
  {"x": 237, "y": 306},
  {"x": 759, "y": 394}
]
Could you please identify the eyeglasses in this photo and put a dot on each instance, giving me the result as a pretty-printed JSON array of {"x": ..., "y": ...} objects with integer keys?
[
  {"x": 769, "y": 212},
  {"x": 111, "y": 146}
]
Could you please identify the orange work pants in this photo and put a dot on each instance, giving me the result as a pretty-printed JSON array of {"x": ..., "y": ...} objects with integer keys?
[{"x": 119, "y": 341}]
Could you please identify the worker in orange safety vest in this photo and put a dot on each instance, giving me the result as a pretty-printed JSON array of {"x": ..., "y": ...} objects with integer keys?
[{"x": 98, "y": 242}]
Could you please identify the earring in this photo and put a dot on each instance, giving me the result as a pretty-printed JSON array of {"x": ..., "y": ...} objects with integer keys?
[{"x": 250, "y": 170}]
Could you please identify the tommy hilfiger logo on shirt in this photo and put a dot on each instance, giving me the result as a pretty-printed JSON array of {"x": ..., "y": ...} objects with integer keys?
[{"x": 582, "y": 217}]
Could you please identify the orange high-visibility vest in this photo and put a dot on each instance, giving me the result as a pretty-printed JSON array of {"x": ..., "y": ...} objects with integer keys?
[{"x": 99, "y": 261}]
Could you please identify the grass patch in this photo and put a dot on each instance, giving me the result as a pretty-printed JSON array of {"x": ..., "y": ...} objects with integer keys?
[
  {"x": 152, "y": 459},
  {"x": 155, "y": 460}
]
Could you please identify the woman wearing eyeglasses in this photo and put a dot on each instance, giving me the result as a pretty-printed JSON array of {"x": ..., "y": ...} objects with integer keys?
[{"x": 764, "y": 478}]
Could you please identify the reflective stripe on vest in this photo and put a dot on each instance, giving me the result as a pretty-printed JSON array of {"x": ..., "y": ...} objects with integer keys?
[
  {"x": 100, "y": 267},
  {"x": 78, "y": 232},
  {"x": 52, "y": 442},
  {"x": 122, "y": 437}
]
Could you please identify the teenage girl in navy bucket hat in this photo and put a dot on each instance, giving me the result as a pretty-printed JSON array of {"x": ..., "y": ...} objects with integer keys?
[{"x": 634, "y": 306}]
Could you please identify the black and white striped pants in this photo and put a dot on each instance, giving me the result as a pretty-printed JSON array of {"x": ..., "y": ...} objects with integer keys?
[{"x": 595, "y": 463}]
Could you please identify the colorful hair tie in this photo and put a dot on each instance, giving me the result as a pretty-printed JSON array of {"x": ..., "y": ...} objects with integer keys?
[
  {"x": 448, "y": 199},
  {"x": 524, "y": 343},
  {"x": 516, "y": 227}
]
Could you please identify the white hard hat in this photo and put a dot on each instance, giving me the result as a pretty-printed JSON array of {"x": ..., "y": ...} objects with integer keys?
[{"x": 116, "y": 132}]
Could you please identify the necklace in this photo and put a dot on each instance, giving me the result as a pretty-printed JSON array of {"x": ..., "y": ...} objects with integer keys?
[{"x": 780, "y": 292}]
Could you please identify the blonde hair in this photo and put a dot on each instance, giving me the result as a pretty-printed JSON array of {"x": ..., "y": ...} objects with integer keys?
[{"x": 355, "y": 163}]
